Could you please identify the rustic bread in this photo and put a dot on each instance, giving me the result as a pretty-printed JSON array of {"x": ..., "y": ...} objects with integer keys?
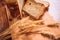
[{"x": 34, "y": 9}]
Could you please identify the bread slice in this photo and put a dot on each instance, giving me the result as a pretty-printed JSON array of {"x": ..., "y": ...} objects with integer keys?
[
  {"x": 34, "y": 9},
  {"x": 46, "y": 4}
]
